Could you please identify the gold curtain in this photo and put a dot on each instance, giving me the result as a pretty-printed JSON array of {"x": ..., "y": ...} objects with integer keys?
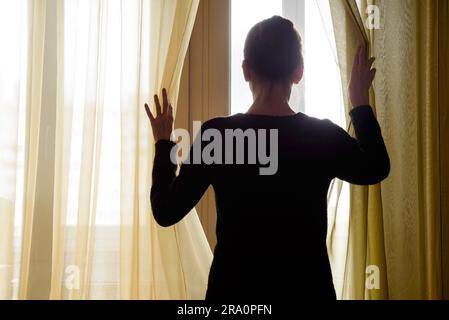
[
  {"x": 87, "y": 228},
  {"x": 443, "y": 103},
  {"x": 365, "y": 247},
  {"x": 401, "y": 225}
]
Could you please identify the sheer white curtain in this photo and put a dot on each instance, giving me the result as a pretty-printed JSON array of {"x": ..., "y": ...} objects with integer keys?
[
  {"x": 86, "y": 222},
  {"x": 22, "y": 31}
]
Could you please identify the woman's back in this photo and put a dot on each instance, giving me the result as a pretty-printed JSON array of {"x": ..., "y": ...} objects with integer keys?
[{"x": 271, "y": 229}]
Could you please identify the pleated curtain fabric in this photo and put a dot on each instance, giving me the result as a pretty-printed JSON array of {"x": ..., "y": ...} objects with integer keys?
[
  {"x": 443, "y": 106},
  {"x": 400, "y": 226},
  {"x": 365, "y": 247},
  {"x": 91, "y": 67},
  {"x": 21, "y": 82}
]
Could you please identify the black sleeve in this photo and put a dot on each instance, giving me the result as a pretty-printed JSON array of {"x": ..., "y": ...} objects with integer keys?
[
  {"x": 364, "y": 160},
  {"x": 173, "y": 197}
]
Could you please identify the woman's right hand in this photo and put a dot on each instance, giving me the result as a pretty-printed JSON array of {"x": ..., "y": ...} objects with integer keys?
[
  {"x": 362, "y": 78},
  {"x": 162, "y": 124}
]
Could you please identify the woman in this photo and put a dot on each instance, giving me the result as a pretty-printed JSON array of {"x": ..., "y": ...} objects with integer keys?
[{"x": 271, "y": 229}]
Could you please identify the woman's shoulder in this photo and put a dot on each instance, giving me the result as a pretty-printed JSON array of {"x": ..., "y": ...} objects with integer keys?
[
  {"x": 322, "y": 129},
  {"x": 222, "y": 122},
  {"x": 322, "y": 123},
  {"x": 308, "y": 123}
]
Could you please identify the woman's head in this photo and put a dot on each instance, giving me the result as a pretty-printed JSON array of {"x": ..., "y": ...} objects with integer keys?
[{"x": 273, "y": 52}]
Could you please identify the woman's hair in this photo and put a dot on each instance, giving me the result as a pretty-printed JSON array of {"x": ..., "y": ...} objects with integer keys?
[{"x": 273, "y": 49}]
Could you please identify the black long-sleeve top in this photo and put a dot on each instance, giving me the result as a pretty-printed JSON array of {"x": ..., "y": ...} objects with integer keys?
[{"x": 271, "y": 229}]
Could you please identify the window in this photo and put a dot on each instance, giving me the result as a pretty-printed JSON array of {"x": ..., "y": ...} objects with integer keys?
[
  {"x": 308, "y": 97},
  {"x": 245, "y": 14},
  {"x": 319, "y": 93}
]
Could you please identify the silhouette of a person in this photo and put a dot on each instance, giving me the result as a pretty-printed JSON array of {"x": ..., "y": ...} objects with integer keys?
[{"x": 271, "y": 229}]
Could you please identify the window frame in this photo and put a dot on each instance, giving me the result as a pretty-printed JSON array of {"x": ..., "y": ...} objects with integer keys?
[{"x": 294, "y": 10}]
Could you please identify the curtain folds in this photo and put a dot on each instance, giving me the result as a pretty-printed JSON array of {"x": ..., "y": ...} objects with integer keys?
[
  {"x": 365, "y": 247},
  {"x": 87, "y": 227},
  {"x": 401, "y": 225},
  {"x": 21, "y": 80},
  {"x": 153, "y": 263},
  {"x": 36, "y": 42},
  {"x": 443, "y": 101}
]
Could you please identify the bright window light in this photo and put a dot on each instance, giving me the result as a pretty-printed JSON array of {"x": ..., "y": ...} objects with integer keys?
[
  {"x": 244, "y": 15},
  {"x": 323, "y": 90},
  {"x": 321, "y": 85},
  {"x": 318, "y": 95}
]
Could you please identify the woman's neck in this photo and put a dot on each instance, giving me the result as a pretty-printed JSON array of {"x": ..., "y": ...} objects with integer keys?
[{"x": 271, "y": 99}]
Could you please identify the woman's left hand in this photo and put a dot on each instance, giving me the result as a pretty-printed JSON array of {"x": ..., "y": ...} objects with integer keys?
[
  {"x": 362, "y": 77},
  {"x": 162, "y": 124}
]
